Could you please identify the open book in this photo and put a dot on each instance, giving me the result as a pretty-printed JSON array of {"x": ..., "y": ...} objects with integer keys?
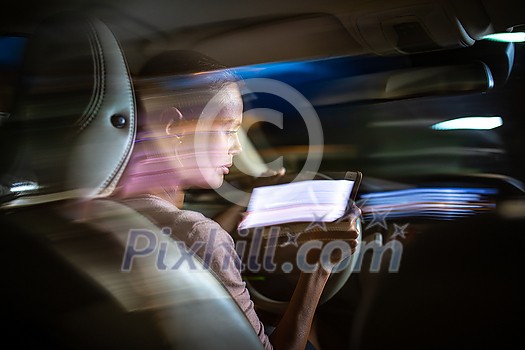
[{"x": 302, "y": 201}]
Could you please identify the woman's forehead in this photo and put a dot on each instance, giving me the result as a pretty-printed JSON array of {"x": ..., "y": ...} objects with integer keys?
[
  {"x": 231, "y": 120},
  {"x": 221, "y": 120},
  {"x": 232, "y": 106}
]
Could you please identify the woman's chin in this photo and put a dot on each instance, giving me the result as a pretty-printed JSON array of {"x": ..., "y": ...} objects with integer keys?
[
  {"x": 211, "y": 182},
  {"x": 215, "y": 182}
]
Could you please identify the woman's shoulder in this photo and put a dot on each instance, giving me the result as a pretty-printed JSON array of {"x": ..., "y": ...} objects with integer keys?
[{"x": 183, "y": 223}]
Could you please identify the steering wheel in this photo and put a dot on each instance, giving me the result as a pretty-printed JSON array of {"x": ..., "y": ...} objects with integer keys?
[{"x": 271, "y": 292}]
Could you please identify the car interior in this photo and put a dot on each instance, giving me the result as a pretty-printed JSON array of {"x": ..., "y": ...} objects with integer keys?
[
  {"x": 69, "y": 289},
  {"x": 424, "y": 97}
]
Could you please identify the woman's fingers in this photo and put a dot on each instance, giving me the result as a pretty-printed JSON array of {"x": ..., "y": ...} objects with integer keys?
[
  {"x": 354, "y": 212},
  {"x": 272, "y": 172}
]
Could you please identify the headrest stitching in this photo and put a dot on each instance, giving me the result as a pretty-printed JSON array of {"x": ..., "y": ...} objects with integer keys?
[
  {"x": 99, "y": 89},
  {"x": 119, "y": 169},
  {"x": 131, "y": 131}
]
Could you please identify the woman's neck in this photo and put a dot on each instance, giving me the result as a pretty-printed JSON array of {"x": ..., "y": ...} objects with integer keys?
[
  {"x": 138, "y": 179},
  {"x": 174, "y": 196},
  {"x": 133, "y": 186}
]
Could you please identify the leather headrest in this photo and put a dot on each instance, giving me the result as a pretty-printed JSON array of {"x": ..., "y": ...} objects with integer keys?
[{"x": 74, "y": 125}]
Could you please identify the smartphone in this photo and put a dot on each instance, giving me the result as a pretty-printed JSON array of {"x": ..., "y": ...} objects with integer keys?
[{"x": 355, "y": 176}]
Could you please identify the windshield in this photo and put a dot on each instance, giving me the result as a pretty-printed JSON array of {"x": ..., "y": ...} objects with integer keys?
[{"x": 399, "y": 137}]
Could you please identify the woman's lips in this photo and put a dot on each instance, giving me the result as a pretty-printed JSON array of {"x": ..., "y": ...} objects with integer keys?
[{"x": 225, "y": 169}]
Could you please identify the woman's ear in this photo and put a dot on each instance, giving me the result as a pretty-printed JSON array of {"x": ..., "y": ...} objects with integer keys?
[{"x": 172, "y": 118}]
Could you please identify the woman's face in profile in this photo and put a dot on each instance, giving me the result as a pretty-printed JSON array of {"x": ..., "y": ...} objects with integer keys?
[{"x": 207, "y": 146}]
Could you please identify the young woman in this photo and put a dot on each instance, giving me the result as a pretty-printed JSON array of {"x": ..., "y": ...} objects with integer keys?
[{"x": 187, "y": 137}]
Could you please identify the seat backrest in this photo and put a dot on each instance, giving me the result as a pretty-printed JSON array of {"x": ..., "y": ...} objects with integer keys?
[
  {"x": 70, "y": 280},
  {"x": 73, "y": 126}
]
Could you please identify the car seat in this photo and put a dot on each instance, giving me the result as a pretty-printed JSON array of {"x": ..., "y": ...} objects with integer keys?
[{"x": 65, "y": 284}]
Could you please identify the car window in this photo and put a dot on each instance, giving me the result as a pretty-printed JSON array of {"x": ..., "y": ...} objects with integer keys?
[
  {"x": 391, "y": 138},
  {"x": 11, "y": 51}
]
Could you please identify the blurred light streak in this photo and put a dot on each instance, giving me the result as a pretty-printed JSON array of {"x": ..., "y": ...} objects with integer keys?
[
  {"x": 517, "y": 37},
  {"x": 436, "y": 203},
  {"x": 470, "y": 123},
  {"x": 24, "y": 187}
]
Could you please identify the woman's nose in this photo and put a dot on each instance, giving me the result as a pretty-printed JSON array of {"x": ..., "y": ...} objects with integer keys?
[{"x": 236, "y": 147}]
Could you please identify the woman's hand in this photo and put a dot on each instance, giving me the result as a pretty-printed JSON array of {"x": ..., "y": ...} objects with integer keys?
[{"x": 339, "y": 240}]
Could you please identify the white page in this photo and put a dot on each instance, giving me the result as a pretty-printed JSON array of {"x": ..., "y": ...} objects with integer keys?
[{"x": 302, "y": 201}]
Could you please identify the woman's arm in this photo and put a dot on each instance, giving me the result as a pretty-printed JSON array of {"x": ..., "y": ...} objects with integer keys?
[{"x": 294, "y": 327}]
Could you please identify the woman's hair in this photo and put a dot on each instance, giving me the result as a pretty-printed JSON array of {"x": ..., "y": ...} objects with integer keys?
[
  {"x": 185, "y": 62},
  {"x": 184, "y": 79}
]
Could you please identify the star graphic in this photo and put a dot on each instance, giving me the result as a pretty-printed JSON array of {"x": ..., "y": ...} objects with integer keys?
[
  {"x": 291, "y": 239},
  {"x": 348, "y": 216},
  {"x": 399, "y": 231},
  {"x": 378, "y": 218},
  {"x": 318, "y": 221},
  {"x": 361, "y": 204}
]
